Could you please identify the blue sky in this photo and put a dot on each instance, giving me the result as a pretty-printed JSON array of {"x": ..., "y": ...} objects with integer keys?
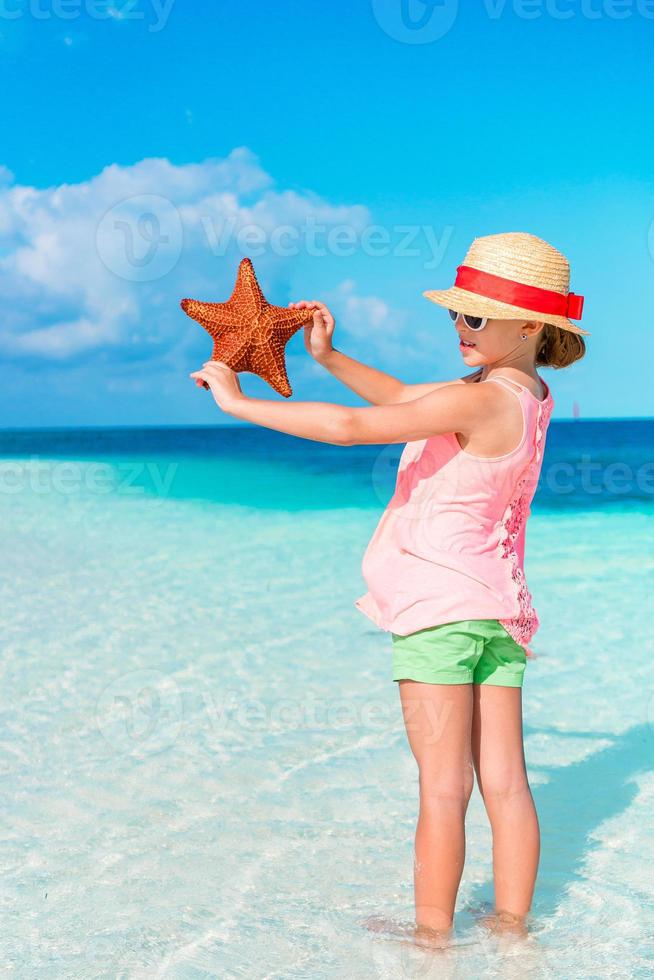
[{"x": 184, "y": 123}]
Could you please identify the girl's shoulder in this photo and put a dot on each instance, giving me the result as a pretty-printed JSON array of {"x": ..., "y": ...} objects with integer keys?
[{"x": 539, "y": 390}]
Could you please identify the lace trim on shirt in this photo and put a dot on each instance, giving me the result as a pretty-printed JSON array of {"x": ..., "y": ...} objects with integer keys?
[{"x": 523, "y": 626}]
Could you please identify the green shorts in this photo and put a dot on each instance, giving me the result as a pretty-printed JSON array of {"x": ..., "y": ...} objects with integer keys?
[{"x": 470, "y": 651}]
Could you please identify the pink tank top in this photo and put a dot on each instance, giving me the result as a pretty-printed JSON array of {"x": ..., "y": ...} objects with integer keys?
[{"x": 451, "y": 543}]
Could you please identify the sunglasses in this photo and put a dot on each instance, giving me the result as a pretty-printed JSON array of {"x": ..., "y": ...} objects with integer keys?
[{"x": 472, "y": 322}]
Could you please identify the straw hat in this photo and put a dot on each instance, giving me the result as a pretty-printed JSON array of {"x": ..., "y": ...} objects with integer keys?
[{"x": 513, "y": 276}]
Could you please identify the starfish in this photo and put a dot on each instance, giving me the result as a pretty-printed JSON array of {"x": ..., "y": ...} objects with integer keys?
[{"x": 249, "y": 333}]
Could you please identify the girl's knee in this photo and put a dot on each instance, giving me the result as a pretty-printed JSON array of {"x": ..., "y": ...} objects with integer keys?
[
  {"x": 504, "y": 787},
  {"x": 446, "y": 787}
]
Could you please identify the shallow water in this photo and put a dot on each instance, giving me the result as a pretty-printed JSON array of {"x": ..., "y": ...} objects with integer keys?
[{"x": 204, "y": 767}]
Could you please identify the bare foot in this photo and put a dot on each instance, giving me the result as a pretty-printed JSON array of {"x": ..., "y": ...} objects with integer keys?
[
  {"x": 502, "y": 922},
  {"x": 437, "y": 938}
]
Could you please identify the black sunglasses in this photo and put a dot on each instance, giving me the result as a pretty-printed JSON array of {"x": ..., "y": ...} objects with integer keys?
[{"x": 473, "y": 322}]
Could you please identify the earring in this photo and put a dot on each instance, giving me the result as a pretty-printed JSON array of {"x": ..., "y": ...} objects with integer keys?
[{"x": 524, "y": 336}]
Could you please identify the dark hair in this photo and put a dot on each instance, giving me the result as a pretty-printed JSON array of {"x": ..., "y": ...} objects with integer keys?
[{"x": 559, "y": 348}]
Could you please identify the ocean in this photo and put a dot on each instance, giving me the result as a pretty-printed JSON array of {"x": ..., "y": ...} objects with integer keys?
[{"x": 205, "y": 771}]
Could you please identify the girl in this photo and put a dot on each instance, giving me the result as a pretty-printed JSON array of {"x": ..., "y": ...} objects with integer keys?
[{"x": 444, "y": 567}]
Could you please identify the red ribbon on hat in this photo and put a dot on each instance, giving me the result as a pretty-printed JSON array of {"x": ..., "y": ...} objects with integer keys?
[{"x": 518, "y": 294}]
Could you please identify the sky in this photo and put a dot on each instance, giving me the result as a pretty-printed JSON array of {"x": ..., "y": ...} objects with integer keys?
[{"x": 353, "y": 151}]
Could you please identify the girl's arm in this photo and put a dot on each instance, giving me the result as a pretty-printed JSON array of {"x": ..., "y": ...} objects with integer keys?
[
  {"x": 372, "y": 385},
  {"x": 375, "y": 386},
  {"x": 451, "y": 408}
]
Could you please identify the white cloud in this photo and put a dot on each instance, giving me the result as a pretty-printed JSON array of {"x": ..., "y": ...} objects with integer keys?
[
  {"x": 62, "y": 339},
  {"x": 378, "y": 333},
  {"x": 97, "y": 269},
  {"x": 367, "y": 311}
]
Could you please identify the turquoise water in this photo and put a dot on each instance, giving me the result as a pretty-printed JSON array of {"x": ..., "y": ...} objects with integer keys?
[{"x": 204, "y": 766}]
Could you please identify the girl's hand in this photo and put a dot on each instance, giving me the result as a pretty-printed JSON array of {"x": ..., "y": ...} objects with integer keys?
[
  {"x": 222, "y": 381},
  {"x": 317, "y": 335}
]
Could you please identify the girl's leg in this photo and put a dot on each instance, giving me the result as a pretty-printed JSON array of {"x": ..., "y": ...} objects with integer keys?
[
  {"x": 498, "y": 755},
  {"x": 438, "y": 719}
]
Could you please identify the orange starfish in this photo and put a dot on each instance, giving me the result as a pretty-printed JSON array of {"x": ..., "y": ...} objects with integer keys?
[{"x": 249, "y": 333}]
